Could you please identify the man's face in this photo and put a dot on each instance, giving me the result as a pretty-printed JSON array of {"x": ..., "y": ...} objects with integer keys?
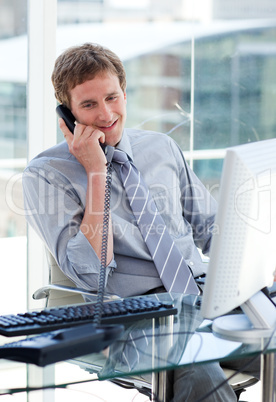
[{"x": 101, "y": 103}]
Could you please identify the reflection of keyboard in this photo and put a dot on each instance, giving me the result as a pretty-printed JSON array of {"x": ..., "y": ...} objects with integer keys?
[
  {"x": 62, "y": 344},
  {"x": 114, "y": 312}
]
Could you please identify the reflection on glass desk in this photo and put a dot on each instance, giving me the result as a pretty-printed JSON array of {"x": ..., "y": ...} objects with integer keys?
[
  {"x": 168, "y": 343},
  {"x": 157, "y": 345}
]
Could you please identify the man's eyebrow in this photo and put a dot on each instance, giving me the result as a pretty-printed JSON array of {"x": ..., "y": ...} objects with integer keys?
[{"x": 112, "y": 94}]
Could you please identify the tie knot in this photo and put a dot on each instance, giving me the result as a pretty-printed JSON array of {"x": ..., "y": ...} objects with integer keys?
[{"x": 120, "y": 157}]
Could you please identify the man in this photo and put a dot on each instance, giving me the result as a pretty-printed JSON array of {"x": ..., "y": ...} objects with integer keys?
[
  {"x": 65, "y": 185},
  {"x": 64, "y": 191}
]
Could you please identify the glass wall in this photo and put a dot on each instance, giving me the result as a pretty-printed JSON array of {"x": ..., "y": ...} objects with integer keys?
[
  {"x": 234, "y": 91},
  {"x": 13, "y": 149},
  {"x": 13, "y": 120}
]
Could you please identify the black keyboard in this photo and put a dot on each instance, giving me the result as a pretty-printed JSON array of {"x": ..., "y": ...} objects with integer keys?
[
  {"x": 62, "y": 345},
  {"x": 120, "y": 311}
]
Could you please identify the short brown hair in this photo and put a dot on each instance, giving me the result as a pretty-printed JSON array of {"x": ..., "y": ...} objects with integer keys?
[{"x": 81, "y": 63}]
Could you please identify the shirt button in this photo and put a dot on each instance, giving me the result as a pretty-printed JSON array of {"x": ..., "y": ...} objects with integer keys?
[{"x": 191, "y": 263}]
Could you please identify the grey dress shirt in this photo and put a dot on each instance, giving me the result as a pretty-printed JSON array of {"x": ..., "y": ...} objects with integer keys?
[{"x": 54, "y": 186}]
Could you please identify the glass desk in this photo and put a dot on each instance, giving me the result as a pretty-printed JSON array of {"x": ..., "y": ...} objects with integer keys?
[{"x": 148, "y": 350}]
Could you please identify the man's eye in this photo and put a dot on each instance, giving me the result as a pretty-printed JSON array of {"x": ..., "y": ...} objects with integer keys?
[{"x": 88, "y": 105}]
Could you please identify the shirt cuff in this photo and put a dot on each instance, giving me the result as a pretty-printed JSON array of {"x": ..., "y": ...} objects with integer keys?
[{"x": 83, "y": 257}]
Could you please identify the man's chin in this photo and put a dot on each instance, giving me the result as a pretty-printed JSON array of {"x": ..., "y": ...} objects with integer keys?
[{"x": 113, "y": 140}]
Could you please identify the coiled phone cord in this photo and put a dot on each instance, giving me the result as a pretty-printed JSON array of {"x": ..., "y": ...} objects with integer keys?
[{"x": 106, "y": 215}]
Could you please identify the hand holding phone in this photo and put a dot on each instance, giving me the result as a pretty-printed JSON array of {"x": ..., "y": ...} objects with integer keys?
[{"x": 70, "y": 121}]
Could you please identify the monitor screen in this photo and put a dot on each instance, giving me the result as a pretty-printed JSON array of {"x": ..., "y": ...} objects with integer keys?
[{"x": 243, "y": 248}]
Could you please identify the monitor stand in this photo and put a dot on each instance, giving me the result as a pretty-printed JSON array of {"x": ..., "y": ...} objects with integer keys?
[{"x": 257, "y": 322}]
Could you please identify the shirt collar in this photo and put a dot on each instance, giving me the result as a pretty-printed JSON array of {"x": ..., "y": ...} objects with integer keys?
[{"x": 124, "y": 144}]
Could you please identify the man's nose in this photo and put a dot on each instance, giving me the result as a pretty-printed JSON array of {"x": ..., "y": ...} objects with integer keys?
[{"x": 105, "y": 113}]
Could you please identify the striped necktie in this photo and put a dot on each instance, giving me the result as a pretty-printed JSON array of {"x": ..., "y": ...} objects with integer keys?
[{"x": 170, "y": 264}]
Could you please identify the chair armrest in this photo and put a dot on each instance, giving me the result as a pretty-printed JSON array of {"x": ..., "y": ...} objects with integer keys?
[{"x": 45, "y": 291}]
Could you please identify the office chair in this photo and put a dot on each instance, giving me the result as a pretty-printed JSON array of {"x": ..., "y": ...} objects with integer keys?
[{"x": 62, "y": 291}]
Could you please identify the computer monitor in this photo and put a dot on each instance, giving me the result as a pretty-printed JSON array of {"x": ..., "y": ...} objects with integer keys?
[{"x": 243, "y": 248}]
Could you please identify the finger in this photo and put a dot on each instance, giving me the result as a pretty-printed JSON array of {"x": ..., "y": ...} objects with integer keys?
[
  {"x": 100, "y": 136},
  {"x": 89, "y": 133}
]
